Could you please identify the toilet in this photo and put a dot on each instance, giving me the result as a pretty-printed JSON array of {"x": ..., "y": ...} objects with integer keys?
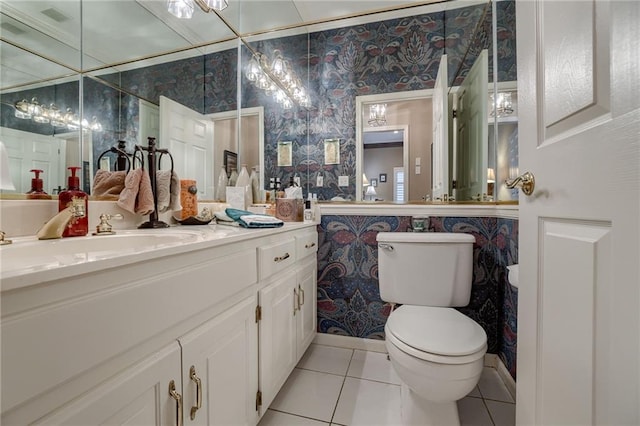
[{"x": 437, "y": 352}]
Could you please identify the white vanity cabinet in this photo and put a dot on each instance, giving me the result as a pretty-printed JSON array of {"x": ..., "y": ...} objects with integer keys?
[
  {"x": 103, "y": 346},
  {"x": 287, "y": 304}
]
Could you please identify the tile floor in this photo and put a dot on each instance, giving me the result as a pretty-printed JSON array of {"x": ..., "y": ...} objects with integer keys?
[{"x": 337, "y": 386}]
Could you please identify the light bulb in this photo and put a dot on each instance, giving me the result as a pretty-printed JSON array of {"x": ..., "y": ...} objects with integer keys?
[{"x": 180, "y": 8}]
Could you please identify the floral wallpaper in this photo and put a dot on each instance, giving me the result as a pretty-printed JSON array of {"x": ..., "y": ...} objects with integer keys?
[{"x": 349, "y": 301}]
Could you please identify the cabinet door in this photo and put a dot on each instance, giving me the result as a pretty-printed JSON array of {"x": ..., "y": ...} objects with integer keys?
[
  {"x": 306, "y": 317},
  {"x": 137, "y": 396},
  {"x": 277, "y": 334},
  {"x": 220, "y": 368}
]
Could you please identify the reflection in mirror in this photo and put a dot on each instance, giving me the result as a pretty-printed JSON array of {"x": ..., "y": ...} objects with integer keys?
[
  {"x": 49, "y": 29},
  {"x": 408, "y": 114},
  {"x": 207, "y": 85},
  {"x": 39, "y": 121},
  {"x": 116, "y": 32},
  {"x": 385, "y": 152},
  {"x": 395, "y": 55},
  {"x": 283, "y": 96}
]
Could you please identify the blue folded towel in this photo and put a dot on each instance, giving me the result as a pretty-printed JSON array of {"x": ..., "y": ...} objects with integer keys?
[{"x": 248, "y": 219}]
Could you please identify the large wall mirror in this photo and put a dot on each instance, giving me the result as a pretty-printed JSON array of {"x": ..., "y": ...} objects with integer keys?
[{"x": 112, "y": 74}]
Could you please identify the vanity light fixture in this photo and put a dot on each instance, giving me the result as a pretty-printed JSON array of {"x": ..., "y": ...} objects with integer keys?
[
  {"x": 377, "y": 115},
  {"x": 52, "y": 115},
  {"x": 184, "y": 8},
  {"x": 277, "y": 79}
]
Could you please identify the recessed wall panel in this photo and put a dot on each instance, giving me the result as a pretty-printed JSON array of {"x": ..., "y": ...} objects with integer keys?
[{"x": 573, "y": 290}]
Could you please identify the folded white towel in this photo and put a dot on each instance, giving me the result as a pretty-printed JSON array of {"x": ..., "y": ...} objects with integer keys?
[{"x": 258, "y": 218}]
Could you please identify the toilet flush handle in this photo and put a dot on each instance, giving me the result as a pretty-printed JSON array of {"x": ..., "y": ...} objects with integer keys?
[{"x": 385, "y": 246}]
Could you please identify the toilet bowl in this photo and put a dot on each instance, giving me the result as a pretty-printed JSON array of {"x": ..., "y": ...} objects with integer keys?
[{"x": 438, "y": 353}]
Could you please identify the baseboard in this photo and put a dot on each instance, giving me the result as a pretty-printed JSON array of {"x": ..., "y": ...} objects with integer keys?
[
  {"x": 494, "y": 361},
  {"x": 349, "y": 342}
]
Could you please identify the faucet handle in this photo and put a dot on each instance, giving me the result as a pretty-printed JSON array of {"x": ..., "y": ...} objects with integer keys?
[{"x": 104, "y": 227}]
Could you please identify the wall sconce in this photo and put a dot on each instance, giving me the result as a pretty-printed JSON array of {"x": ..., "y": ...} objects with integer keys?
[
  {"x": 377, "y": 115},
  {"x": 183, "y": 9},
  {"x": 52, "y": 115}
]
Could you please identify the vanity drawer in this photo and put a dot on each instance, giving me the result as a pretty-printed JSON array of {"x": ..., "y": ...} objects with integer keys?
[
  {"x": 306, "y": 244},
  {"x": 276, "y": 257}
]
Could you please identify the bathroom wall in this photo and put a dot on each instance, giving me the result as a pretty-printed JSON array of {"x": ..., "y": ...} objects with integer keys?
[{"x": 349, "y": 301}]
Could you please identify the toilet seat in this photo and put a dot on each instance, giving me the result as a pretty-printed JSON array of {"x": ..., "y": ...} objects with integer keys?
[{"x": 436, "y": 334}]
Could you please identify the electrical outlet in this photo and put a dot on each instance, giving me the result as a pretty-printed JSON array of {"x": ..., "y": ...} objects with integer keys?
[
  {"x": 343, "y": 180},
  {"x": 320, "y": 181},
  {"x": 417, "y": 170}
]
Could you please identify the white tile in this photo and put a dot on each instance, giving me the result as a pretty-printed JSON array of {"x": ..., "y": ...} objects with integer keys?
[
  {"x": 276, "y": 418},
  {"x": 502, "y": 413},
  {"x": 326, "y": 359},
  {"x": 372, "y": 366},
  {"x": 492, "y": 387},
  {"x": 473, "y": 412},
  {"x": 363, "y": 402},
  {"x": 475, "y": 393},
  {"x": 309, "y": 394}
]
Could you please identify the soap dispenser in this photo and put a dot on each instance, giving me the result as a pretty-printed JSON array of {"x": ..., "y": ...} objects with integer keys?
[
  {"x": 37, "y": 193},
  {"x": 78, "y": 226}
]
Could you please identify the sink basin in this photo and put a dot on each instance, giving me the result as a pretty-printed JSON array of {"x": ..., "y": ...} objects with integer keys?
[{"x": 29, "y": 254}]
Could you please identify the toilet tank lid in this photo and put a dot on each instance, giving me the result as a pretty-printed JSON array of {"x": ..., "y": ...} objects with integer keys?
[{"x": 425, "y": 237}]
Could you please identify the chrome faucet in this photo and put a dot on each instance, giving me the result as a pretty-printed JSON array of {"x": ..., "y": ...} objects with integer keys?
[{"x": 54, "y": 228}]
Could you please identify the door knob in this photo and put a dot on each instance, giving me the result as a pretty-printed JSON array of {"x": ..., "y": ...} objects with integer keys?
[{"x": 526, "y": 182}]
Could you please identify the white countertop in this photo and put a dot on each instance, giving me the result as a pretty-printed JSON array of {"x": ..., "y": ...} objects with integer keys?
[{"x": 48, "y": 261}]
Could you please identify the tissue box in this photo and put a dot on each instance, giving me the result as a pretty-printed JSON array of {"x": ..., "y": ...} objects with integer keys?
[{"x": 290, "y": 209}]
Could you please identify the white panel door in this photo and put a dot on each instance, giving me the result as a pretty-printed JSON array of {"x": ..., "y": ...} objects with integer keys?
[
  {"x": 277, "y": 335},
  {"x": 28, "y": 151},
  {"x": 222, "y": 355},
  {"x": 473, "y": 140},
  {"x": 440, "y": 155},
  {"x": 137, "y": 396},
  {"x": 579, "y": 295},
  {"x": 149, "y": 121},
  {"x": 189, "y": 137}
]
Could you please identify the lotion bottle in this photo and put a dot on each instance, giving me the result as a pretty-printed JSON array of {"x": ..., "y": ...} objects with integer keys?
[
  {"x": 78, "y": 226},
  {"x": 37, "y": 193}
]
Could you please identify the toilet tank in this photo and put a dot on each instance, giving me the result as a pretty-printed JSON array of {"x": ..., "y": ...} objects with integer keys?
[{"x": 425, "y": 268}]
